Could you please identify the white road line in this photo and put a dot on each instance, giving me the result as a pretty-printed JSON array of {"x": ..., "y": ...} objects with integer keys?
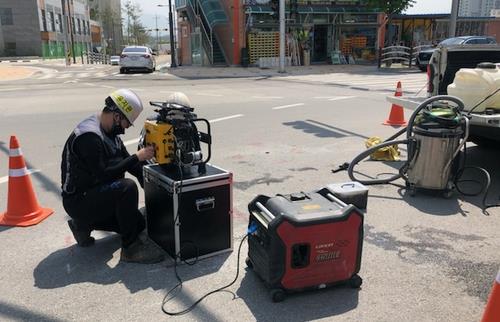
[
  {"x": 89, "y": 84},
  {"x": 271, "y": 97},
  {"x": 135, "y": 141},
  {"x": 287, "y": 106},
  {"x": 130, "y": 142},
  {"x": 46, "y": 76},
  {"x": 209, "y": 94},
  {"x": 6, "y": 179},
  {"x": 340, "y": 98},
  {"x": 82, "y": 75},
  {"x": 106, "y": 86},
  {"x": 12, "y": 89},
  {"x": 386, "y": 82},
  {"x": 225, "y": 118}
]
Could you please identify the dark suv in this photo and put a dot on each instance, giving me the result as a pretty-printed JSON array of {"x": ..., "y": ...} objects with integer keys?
[{"x": 425, "y": 55}]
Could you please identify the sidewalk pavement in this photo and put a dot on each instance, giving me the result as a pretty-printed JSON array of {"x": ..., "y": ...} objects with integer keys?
[
  {"x": 10, "y": 73},
  {"x": 316, "y": 73}
]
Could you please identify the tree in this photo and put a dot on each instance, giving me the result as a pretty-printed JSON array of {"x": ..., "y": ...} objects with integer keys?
[
  {"x": 109, "y": 19},
  {"x": 136, "y": 32},
  {"x": 390, "y": 8}
]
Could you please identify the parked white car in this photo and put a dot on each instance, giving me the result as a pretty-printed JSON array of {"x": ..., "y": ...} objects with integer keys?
[
  {"x": 114, "y": 60},
  {"x": 137, "y": 58}
]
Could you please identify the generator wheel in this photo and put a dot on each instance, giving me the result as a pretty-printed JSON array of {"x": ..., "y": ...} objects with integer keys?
[
  {"x": 248, "y": 262},
  {"x": 277, "y": 295},
  {"x": 355, "y": 281}
]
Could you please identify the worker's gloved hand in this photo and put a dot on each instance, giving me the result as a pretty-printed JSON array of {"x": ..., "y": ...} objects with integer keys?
[{"x": 145, "y": 153}]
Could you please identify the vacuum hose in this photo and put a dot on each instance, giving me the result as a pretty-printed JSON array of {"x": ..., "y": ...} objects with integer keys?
[{"x": 391, "y": 141}]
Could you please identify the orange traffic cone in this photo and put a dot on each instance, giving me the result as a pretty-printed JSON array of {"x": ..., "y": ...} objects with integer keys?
[
  {"x": 397, "y": 116},
  {"x": 492, "y": 310},
  {"x": 22, "y": 207}
]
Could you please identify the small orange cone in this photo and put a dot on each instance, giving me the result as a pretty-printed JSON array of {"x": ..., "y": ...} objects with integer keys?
[
  {"x": 492, "y": 310},
  {"x": 22, "y": 207},
  {"x": 397, "y": 116}
]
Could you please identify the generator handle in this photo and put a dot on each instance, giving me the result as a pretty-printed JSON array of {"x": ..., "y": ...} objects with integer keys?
[
  {"x": 335, "y": 199},
  {"x": 268, "y": 214},
  {"x": 209, "y": 137}
]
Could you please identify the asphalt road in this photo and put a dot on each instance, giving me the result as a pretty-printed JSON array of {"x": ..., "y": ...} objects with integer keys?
[{"x": 425, "y": 258}]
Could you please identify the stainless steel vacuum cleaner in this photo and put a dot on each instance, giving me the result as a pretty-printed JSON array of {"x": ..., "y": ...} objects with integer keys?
[{"x": 435, "y": 134}]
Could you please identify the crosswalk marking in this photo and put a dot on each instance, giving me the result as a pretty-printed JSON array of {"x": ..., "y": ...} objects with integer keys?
[
  {"x": 339, "y": 98},
  {"x": 411, "y": 82},
  {"x": 287, "y": 106}
]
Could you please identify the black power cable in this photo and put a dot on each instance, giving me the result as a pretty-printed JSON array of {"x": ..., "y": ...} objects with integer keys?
[
  {"x": 482, "y": 101},
  {"x": 167, "y": 299},
  {"x": 484, "y": 188}
]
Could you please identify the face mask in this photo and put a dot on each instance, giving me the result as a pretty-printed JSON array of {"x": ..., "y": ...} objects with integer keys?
[{"x": 117, "y": 128}]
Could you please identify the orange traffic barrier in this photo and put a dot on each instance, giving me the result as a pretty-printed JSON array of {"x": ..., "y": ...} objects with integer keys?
[
  {"x": 22, "y": 207},
  {"x": 397, "y": 115},
  {"x": 492, "y": 310}
]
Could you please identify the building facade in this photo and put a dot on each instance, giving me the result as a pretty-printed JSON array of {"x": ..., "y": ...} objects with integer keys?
[
  {"x": 233, "y": 32},
  {"x": 477, "y": 8},
  {"x": 108, "y": 14},
  {"x": 40, "y": 27},
  {"x": 427, "y": 29}
]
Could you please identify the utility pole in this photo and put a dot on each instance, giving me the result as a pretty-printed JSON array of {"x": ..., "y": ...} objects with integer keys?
[
  {"x": 171, "y": 27},
  {"x": 64, "y": 24},
  {"x": 71, "y": 26},
  {"x": 157, "y": 35},
  {"x": 282, "y": 35},
  {"x": 453, "y": 18}
]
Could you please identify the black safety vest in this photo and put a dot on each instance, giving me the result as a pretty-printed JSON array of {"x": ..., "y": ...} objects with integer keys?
[{"x": 76, "y": 177}]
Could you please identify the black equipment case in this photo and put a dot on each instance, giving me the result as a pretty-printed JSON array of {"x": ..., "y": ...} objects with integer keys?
[
  {"x": 306, "y": 240},
  {"x": 189, "y": 215}
]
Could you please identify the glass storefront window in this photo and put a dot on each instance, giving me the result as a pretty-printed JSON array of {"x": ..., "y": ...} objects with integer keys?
[{"x": 358, "y": 42}]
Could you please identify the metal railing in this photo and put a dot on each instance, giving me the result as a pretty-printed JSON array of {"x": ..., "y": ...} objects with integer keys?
[
  {"x": 95, "y": 58},
  {"x": 394, "y": 55},
  {"x": 180, "y": 4},
  {"x": 205, "y": 37}
]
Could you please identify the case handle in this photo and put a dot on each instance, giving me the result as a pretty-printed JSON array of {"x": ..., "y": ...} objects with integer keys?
[
  {"x": 335, "y": 199},
  {"x": 269, "y": 216},
  {"x": 205, "y": 204}
]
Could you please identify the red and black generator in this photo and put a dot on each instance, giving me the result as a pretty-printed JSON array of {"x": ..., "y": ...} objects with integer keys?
[{"x": 305, "y": 241}]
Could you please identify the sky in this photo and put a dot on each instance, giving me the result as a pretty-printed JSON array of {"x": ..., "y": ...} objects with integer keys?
[
  {"x": 430, "y": 6},
  {"x": 150, "y": 9}
]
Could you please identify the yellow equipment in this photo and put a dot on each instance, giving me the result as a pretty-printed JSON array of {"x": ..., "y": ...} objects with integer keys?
[
  {"x": 175, "y": 137},
  {"x": 161, "y": 137}
]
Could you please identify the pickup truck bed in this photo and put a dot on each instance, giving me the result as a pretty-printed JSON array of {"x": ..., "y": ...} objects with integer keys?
[{"x": 444, "y": 63}]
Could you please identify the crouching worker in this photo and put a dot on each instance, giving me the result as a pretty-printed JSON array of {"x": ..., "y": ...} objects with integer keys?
[{"x": 95, "y": 192}]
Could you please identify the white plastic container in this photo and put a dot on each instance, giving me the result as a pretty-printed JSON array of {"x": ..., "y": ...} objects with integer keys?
[{"x": 473, "y": 85}]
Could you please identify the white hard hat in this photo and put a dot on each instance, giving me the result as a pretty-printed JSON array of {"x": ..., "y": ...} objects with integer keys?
[
  {"x": 179, "y": 98},
  {"x": 128, "y": 103}
]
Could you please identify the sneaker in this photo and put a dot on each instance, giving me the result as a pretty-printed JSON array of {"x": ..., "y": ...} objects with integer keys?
[
  {"x": 82, "y": 237},
  {"x": 142, "y": 252}
]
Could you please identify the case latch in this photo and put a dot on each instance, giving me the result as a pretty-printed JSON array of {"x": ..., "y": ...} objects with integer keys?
[{"x": 205, "y": 204}]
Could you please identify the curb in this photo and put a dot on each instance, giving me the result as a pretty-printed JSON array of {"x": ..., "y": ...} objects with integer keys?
[{"x": 20, "y": 61}]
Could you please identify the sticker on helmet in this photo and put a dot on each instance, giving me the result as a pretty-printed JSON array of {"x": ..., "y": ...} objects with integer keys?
[{"x": 123, "y": 104}]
